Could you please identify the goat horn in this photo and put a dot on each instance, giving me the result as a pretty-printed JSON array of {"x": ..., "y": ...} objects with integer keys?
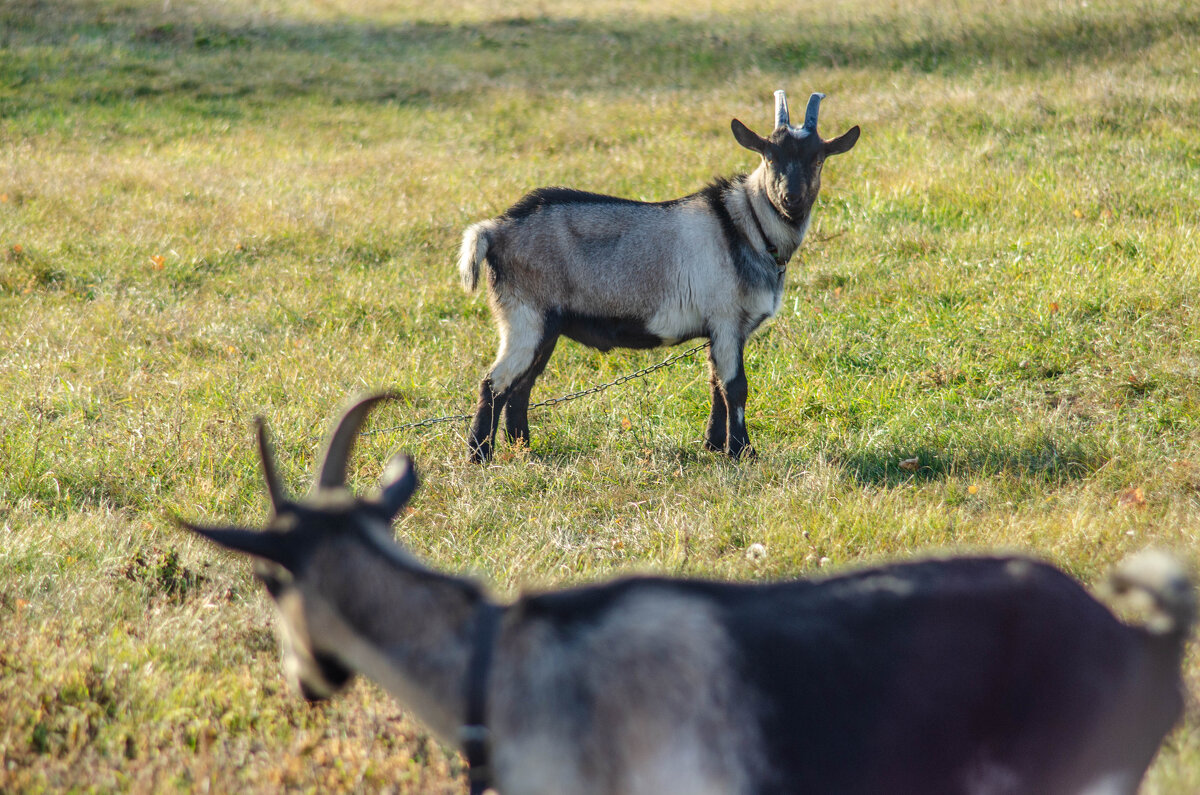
[
  {"x": 332, "y": 470},
  {"x": 781, "y": 111},
  {"x": 810, "y": 115},
  {"x": 274, "y": 487}
]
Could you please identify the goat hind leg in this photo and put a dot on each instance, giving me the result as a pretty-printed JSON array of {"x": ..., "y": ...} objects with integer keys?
[
  {"x": 516, "y": 412},
  {"x": 483, "y": 428},
  {"x": 520, "y": 337}
]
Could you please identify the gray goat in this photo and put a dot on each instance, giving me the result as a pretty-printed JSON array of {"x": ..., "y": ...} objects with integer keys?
[
  {"x": 610, "y": 272},
  {"x": 964, "y": 675}
]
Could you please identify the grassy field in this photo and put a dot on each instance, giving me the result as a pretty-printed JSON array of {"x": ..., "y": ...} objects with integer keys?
[{"x": 210, "y": 210}]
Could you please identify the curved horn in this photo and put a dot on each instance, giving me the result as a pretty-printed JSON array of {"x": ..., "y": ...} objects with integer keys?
[
  {"x": 331, "y": 472},
  {"x": 810, "y": 115},
  {"x": 781, "y": 110},
  {"x": 274, "y": 487}
]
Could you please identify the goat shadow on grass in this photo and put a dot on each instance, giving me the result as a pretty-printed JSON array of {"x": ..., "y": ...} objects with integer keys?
[
  {"x": 75, "y": 52},
  {"x": 1047, "y": 463}
]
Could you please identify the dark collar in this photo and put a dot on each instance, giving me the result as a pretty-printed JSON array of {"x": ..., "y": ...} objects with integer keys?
[
  {"x": 780, "y": 262},
  {"x": 474, "y": 736}
]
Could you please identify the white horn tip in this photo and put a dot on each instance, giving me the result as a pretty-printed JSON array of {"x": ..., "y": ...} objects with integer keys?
[{"x": 781, "y": 109}]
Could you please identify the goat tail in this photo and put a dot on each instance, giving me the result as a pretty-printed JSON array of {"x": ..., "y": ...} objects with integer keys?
[
  {"x": 474, "y": 249},
  {"x": 1152, "y": 589}
]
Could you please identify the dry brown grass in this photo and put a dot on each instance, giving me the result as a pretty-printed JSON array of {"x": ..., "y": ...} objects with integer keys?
[{"x": 209, "y": 211}]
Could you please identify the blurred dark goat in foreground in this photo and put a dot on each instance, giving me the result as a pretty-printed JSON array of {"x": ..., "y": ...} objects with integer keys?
[{"x": 964, "y": 675}]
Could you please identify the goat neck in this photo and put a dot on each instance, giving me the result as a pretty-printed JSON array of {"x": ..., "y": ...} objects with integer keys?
[
  {"x": 779, "y": 234},
  {"x": 382, "y": 614}
]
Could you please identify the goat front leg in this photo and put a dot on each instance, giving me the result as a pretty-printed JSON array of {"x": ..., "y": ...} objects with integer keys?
[
  {"x": 716, "y": 432},
  {"x": 730, "y": 371}
]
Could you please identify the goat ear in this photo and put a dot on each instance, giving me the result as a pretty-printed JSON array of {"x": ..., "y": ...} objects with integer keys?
[
  {"x": 747, "y": 137},
  {"x": 843, "y": 143},
  {"x": 269, "y": 546},
  {"x": 399, "y": 483}
]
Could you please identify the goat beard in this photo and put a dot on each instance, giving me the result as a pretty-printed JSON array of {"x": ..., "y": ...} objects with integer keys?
[
  {"x": 795, "y": 221},
  {"x": 778, "y": 207}
]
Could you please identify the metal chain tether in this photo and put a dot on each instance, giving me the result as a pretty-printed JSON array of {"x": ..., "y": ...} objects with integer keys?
[{"x": 552, "y": 401}]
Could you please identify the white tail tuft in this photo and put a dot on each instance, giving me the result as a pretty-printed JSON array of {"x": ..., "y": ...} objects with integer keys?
[
  {"x": 474, "y": 249},
  {"x": 1152, "y": 589}
]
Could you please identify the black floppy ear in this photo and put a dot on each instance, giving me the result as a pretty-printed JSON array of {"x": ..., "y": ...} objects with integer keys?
[
  {"x": 399, "y": 483},
  {"x": 269, "y": 546},
  {"x": 747, "y": 137},
  {"x": 331, "y": 473},
  {"x": 843, "y": 143}
]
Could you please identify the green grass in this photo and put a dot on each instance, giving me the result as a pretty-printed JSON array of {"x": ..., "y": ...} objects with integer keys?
[{"x": 213, "y": 210}]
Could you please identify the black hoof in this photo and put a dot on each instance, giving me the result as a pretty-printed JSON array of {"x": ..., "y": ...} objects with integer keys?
[
  {"x": 743, "y": 453},
  {"x": 481, "y": 454}
]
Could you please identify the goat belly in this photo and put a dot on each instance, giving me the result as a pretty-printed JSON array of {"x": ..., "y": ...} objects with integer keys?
[{"x": 606, "y": 333}]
